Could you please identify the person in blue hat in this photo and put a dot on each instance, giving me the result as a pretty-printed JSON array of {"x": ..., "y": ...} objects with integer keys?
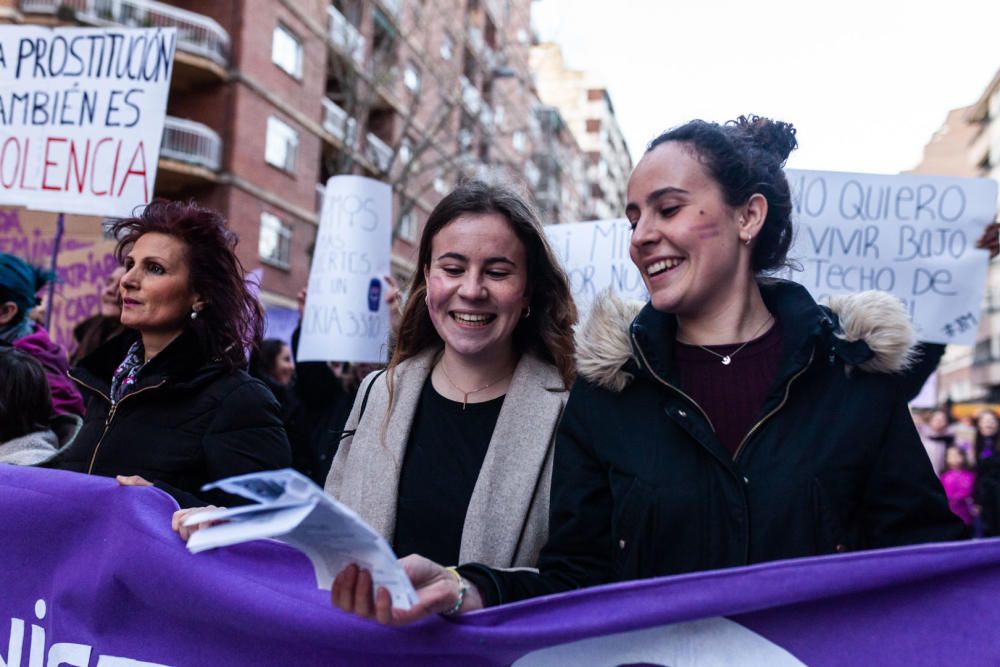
[{"x": 19, "y": 285}]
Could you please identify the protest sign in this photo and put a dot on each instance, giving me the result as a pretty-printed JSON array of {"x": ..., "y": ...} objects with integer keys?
[
  {"x": 86, "y": 259},
  {"x": 911, "y": 235},
  {"x": 346, "y": 317},
  {"x": 81, "y": 116},
  {"x": 595, "y": 256},
  {"x": 257, "y": 603}
]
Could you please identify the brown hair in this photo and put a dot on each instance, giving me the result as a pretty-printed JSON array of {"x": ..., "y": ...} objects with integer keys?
[
  {"x": 548, "y": 333},
  {"x": 232, "y": 322}
]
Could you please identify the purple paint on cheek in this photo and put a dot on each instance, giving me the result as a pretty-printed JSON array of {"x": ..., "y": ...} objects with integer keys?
[{"x": 709, "y": 230}]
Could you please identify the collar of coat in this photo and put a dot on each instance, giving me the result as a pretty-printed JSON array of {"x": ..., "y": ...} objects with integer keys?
[
  {"x": 184, "y": 363},
  {"x": 869, "y": 331}
]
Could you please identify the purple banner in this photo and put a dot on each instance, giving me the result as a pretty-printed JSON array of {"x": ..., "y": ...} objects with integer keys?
[{"x": 91, "y": 575}]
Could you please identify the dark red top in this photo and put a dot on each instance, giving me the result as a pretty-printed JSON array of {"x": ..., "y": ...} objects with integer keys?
[{"x": 732, "y": 395}]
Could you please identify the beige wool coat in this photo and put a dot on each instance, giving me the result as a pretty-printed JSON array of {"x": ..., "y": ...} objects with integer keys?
[{"x": 507, "y": 520}]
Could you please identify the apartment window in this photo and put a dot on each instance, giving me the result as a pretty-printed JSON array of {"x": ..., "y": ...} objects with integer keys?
[
  {"x": 275, "y": 244},
  {"x": 286, "y": 51},
  {"x": 405, "y": 151},
  {"x": 447, "y": 47},
  {"x": 281, "y": 145},
  {"x": 411, "y": 77},
  {"x": 520, "y": 141},
  {"x": 408, "y": 228}
]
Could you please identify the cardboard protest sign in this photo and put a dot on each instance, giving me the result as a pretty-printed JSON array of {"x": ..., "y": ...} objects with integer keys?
[
  {"x": 86, "y": 259},
  {"x": 595, "y": 257},
  {"x": 346, "y": 317},
  {"x": 912, "y": 235},
  {"x": 81, "y": 116}
]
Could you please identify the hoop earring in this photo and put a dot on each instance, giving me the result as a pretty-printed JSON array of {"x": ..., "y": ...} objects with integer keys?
[
  {"x": 527, "y": 313},
  {"x": 749, "y": 238}
]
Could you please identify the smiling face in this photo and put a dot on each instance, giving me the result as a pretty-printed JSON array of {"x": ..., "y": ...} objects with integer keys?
[
  {"x": 686, "y": 242},
  {"x": 157, "y": 298},
  {"x": 284, "y": 367},
  {"x": 477, "y": 285}
]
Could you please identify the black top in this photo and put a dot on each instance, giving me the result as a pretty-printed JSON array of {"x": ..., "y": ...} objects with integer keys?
[
  {"x": 731, "y": 395},
  {"x": 444, "y": 453}
]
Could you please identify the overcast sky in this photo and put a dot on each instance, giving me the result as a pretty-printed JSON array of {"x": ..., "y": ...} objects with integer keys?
[{"x": 865, "y": 82}]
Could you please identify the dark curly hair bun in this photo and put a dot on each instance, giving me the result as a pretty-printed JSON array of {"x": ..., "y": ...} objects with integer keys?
[{"x": 774, "y": 136}]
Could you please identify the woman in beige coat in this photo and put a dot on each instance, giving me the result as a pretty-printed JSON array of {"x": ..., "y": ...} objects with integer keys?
[{"x": 460, "y": 426}]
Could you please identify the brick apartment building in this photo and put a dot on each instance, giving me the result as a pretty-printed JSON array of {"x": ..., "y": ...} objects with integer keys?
[
  {"x": 968, "y": 145},
  {"x": 269, "y": 98}
]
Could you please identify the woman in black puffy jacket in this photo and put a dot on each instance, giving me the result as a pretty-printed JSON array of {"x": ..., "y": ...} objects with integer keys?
[{"x": 168, "y": 402}]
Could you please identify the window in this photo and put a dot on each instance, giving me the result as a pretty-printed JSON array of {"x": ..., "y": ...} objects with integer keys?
[
  {"x": 408, "y": 228},
  {"x": 275, "y": 244},
  {"x": 286, "y": 51},
  {"x": 411, "y": 77},
  {"x": 405, "y": 153},
  {"x": 447, "y": 47},
  {"x": 520, "y": 141},
  {"x": 282, "y": 144}
]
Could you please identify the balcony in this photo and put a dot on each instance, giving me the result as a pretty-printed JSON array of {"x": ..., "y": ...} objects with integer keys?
[
  {"x": 196, "y": 34},
  {"x": 192, "y": 143},
  {"x": 378, "y": 152},
  {"x": 470, "y": 96},
  {"x": 486, "y": 117},
  {"x": 338, "y": 123},
  {"x": 499, "y": 17},
  {"x": 320, "y": 195},
  {"x": 394, "y": 7},
  {"x": 345, "y": 36}
]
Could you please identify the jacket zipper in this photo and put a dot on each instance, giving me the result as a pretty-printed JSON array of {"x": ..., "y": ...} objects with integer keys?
[
  {"x": 111, "y": 414},
  {"x": 635, "y": 344},
  {"x": 788, "y": 388}
]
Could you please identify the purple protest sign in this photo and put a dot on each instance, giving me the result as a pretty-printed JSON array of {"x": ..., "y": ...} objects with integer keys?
[{"x": 92, "y": 575}]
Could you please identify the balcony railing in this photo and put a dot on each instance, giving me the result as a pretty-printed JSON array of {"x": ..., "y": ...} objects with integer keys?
[
  {"x": 346, "y": 36},
  {"x": 338, "y": 123},
  {"x": 486, "y": 116},
  {"x": 191, "y": 142},
  {"x": 470, "y": 96},
  {"x": 493, "y": 7},
  {"x": 196, "y": 33},
  {"x": 378, "y": 152},
  {"x": 395, "y": 7},
  {"x": 320, "y": 194}
]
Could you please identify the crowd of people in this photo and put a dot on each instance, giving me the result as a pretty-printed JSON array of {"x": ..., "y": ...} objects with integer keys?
[
  {"x": 730, "y": 420},
  {"x": 965, "y": 453}
]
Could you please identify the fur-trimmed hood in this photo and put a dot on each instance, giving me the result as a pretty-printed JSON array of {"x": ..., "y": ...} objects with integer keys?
[{"x": 869, "y": 331}]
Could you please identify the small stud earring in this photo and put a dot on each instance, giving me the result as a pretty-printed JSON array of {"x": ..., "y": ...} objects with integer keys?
[{"x": 194, "y": 314}]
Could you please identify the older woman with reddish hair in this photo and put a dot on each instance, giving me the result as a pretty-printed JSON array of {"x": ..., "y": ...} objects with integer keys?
[{"x": 169, "y": 402}]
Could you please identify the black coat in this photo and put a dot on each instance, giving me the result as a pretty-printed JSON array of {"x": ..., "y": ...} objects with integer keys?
[
  {"x": 187, "y": 421},
  {"x": 642, "y": 487}
]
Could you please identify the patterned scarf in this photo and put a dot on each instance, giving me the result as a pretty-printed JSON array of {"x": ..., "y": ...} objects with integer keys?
[{"x": 127, "y": 372}]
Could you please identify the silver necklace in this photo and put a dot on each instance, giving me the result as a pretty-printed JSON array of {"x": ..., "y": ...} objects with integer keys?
[{"x": 728, "y": 358}]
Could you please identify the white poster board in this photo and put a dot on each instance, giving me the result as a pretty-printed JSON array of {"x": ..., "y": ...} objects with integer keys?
[
  {"x": 81, "y": 116},
  {"x": 910, "y": 234},
  {"x": 595, "y": 256},
  {"x": 346, "y": 317}
]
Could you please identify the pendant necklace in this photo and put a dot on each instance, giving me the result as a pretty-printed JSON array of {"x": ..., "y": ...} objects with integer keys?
[
  {"x": 728, "y": 358},
  {"x": 466, "y": 394}
]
